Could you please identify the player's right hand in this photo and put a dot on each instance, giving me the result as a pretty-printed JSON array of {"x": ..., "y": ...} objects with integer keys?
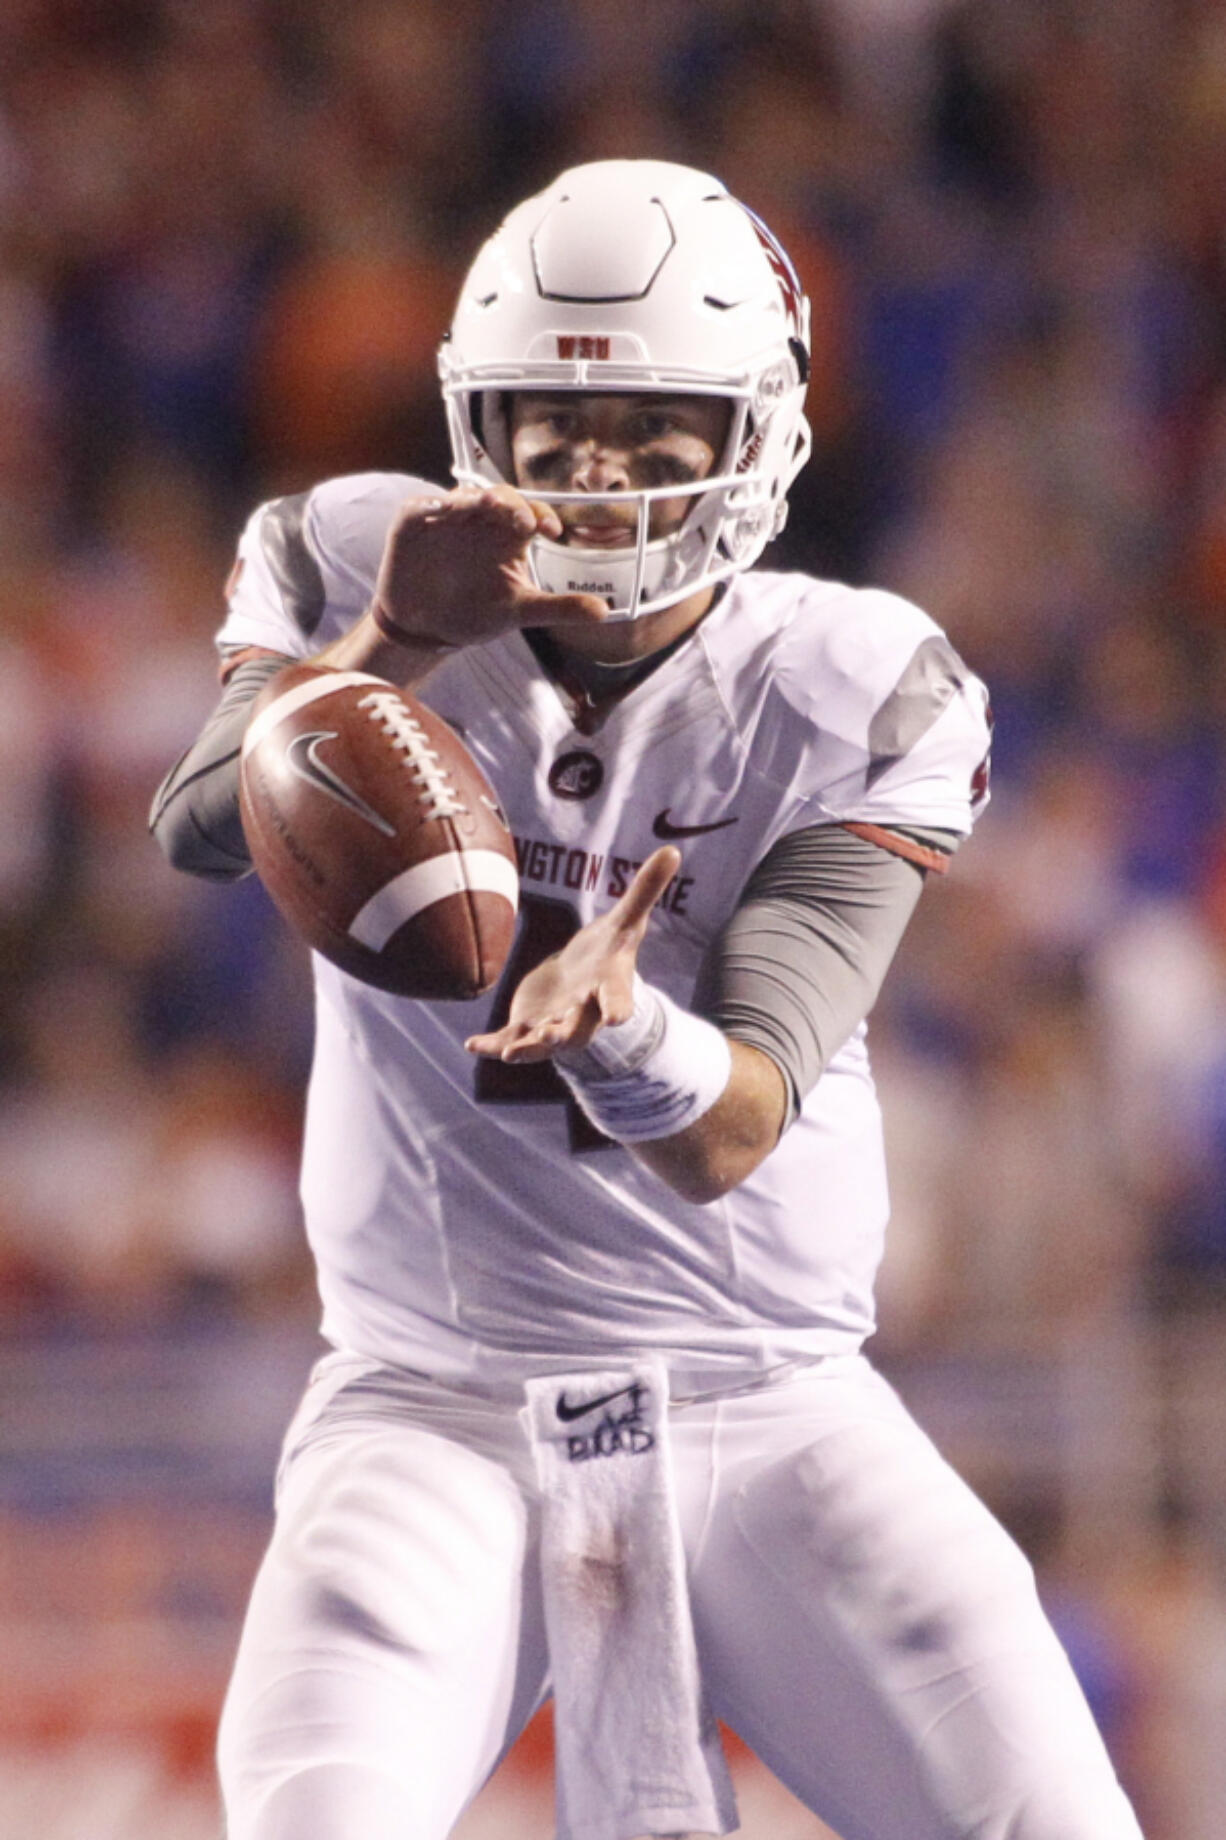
[
  {"x": 455, "y": 569},
  {"x": 589, "y": 984}
]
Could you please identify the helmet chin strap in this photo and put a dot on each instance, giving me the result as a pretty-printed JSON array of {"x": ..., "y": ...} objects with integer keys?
[
  {"x": 630, "y": 580},
  {"x": 647, "y": 574}
]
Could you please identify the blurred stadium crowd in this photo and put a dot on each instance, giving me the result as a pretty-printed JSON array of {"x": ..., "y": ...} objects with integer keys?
[{"x": 230, "y": 234}]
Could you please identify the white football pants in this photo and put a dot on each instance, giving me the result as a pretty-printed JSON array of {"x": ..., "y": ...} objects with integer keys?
[{"x": 861, "y": 1619}]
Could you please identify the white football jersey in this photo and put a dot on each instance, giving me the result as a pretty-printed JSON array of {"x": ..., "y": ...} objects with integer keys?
[{"x": 461, "y": 1221}]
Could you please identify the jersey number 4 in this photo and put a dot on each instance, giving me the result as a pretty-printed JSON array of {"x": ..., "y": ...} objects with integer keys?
[{"x": 544, "y": 928}]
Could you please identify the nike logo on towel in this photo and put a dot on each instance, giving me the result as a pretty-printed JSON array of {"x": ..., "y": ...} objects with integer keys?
[
  {"x": 665, "y": 828},
  {"x": 567, "y": 1413}
]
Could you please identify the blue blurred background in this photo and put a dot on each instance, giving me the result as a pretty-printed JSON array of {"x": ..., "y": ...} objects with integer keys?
[{"x": 230, "y": 235}]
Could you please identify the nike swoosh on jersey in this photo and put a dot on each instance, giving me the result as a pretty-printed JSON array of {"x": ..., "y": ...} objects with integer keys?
[
  {"x": 566, "y": 1412},
  {"x": 665, "y": 828},
  {"x": 302, "y": 758}
]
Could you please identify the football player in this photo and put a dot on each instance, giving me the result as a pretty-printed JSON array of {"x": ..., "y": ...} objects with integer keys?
[{"x": 658, "y": 1141}]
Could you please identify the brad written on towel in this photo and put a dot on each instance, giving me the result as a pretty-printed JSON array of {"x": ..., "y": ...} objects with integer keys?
[{"x": 638, "y": 1749}]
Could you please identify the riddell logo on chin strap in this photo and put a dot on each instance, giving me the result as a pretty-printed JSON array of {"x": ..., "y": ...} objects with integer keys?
[{"x": 583, "y": 345}]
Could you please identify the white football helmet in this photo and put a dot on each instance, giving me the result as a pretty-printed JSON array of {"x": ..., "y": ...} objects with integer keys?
[{"x": 629, "y": 275}]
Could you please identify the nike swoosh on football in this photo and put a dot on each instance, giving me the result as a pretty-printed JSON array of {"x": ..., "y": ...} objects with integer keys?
[
  {"x": 566, "y": 1412},
  {"x": 665, "y": 828},
  {"x": 302, "y": 758}
]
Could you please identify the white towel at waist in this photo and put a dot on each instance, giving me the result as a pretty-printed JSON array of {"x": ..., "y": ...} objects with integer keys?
[{"x": 638, "y": 1751}]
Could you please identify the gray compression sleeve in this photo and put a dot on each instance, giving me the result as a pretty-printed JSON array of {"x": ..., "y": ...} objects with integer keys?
[
  {"x": 195, "y": 809},
  {"x": 800, "y": 963}
]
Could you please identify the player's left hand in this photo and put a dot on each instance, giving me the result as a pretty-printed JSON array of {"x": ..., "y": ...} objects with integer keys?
[
  {"x": 455, "y": 568},
  {"x": 589, "y": 983}
]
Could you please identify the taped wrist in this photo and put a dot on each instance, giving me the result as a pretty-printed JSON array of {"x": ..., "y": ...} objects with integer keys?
[{"x": 651, "y": 1075}]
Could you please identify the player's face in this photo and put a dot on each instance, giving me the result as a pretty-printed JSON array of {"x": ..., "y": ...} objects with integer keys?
[{"x": 571, "y": 442}]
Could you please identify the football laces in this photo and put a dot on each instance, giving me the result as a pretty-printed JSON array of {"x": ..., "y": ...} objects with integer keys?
[{"x": 437, "y": 794}]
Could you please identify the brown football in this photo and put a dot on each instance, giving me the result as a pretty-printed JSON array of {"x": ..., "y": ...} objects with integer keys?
[{"x": 377, "y": 834}]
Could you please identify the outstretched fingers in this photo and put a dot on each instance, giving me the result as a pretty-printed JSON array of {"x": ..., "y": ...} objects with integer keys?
[
  {"x": 633, "y": 910},
  {"x": 536, "y": 1040},
  {"x": 587, "y": 986}
]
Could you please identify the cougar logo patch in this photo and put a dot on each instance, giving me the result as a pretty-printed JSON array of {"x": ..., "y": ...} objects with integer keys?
[{"x": 577, "y": 775}]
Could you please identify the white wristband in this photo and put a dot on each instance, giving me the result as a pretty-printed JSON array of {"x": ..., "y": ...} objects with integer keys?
[{"x": 651, "y": 1075}]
